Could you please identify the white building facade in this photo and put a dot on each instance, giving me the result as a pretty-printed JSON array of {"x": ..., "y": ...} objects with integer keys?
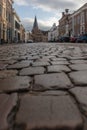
[
  {"x": 53, "y": 33},
  {"x": 16, "y": 27}
]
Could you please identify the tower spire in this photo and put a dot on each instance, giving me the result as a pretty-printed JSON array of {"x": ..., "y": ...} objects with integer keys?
[{"x": 35, "y": 25}]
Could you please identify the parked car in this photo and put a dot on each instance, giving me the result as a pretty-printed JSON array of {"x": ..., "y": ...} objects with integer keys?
[
  {"x": 64, "y": 39},
  {"x": 82, "y": 39},
  {"x": 73, "y": 38},
  {"x": 30, "y": 41}
]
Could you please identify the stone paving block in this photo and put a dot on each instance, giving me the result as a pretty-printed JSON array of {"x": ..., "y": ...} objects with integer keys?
[
  {"x": 59, "y": 62},
  {"x": 8, "y": 61},
  {"x": 54, "y": 93},
  {"x": 80, "y": 94},
  {"x": 7, "y": 103},
  {"x": 32, "y": 71},
  {"x": 42, "y": 63},
  {"x": 43, "y": 60},
  {"x": 85, "y": 123},
  {"x": 58, "y": 68},
  {"x": 3, "y": 66},
  {"x": 53, "y": 81},
  {"x": 8, "y": 73},
  {"x": 58, "y": 59},
  {"x": 33, "y": 57},
  {"x": 78, "y": 66},
  {"x": 79, "y": 77},
  {"x": 76, "y": 58},
  {"x": 78, "y": 61},
  {"x": 38, "y": 88},
  {"x": 17, "y": 83},
  {"x": 48, "y": 112},
  {"x": 19, "y": 65}
]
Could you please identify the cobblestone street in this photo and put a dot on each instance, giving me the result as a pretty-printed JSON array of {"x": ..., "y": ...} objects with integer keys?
[{"x": 43, "y": 86}]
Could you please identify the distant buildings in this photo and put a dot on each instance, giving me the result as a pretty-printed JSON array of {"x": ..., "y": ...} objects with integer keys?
[
  {"x": 64, "y": 24},
  {"x": 37, "y": 34},
  {"x": 79, "y": 21},
  {"x": 53, "y": 33},
  {"x": 28, "y": 36},
  {"x": 11, "y": 29},
  {"x": 74, "y": 24}
]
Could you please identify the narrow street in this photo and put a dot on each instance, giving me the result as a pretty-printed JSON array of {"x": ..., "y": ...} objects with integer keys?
[{"x": 43, "y": 86}]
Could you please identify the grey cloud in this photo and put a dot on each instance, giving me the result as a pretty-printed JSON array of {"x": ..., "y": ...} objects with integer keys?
[{"x": 55, "y": 4}]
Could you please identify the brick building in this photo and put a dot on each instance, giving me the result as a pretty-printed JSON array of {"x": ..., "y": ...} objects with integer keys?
[
  {"x": 79, "y": 21},
  {"x": 75, "y": 23}
]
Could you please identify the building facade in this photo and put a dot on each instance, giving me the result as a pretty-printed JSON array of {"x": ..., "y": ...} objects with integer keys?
[
  {"x": 10, "y": 27},
  {"x": 64, "y": 24},
  {"x": 1, "y": 20},
  {"x": 79, "y": 21},
  {"x": 22, "y": 33},
  {"x": 6, "y": 20},
  {"x": 9, "y": 15},
  {"x": 74, "y": 24},
  {"x": 53, "y": 33},
  {"x": 16, "y": 27},
  {"x": 28, "y": 36}
]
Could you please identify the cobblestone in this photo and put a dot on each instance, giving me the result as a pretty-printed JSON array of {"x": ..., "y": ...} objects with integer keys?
[
  {"x": 50, "y": 80},
  {"x": 53, "y": 81},
  {"x": 78, "y": 66},
  {"x": 58, "y": 68},
  {"x": 78, "y": 61},
  {"x": 16, "y": 83},
  {"x": 8, "y": 73},
  {"x": 48, "y": 112},
  {"x": 7, "y": 103},
  {"x": 32, "y": 71},
  {"x": 59, "y": 62},
  {"x": 19, "y": 65},
  {"x": 79, "y": 77},
  {"x": 80, "y": 94},
  {"x": 40, "y": 63}
]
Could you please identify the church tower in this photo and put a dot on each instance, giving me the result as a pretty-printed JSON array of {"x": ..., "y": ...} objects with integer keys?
[
  {"x": 35, "y": 25},
  {"x": 37, "y": 34}
]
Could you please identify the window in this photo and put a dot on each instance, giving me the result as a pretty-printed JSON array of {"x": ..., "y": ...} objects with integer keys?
[
  {"x": 0, "y": 10},
  {"x": 17, "y": 25}
]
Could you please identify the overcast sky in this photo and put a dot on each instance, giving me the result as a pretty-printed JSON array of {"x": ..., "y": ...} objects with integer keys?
[{"x": 47, "y": 11}]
